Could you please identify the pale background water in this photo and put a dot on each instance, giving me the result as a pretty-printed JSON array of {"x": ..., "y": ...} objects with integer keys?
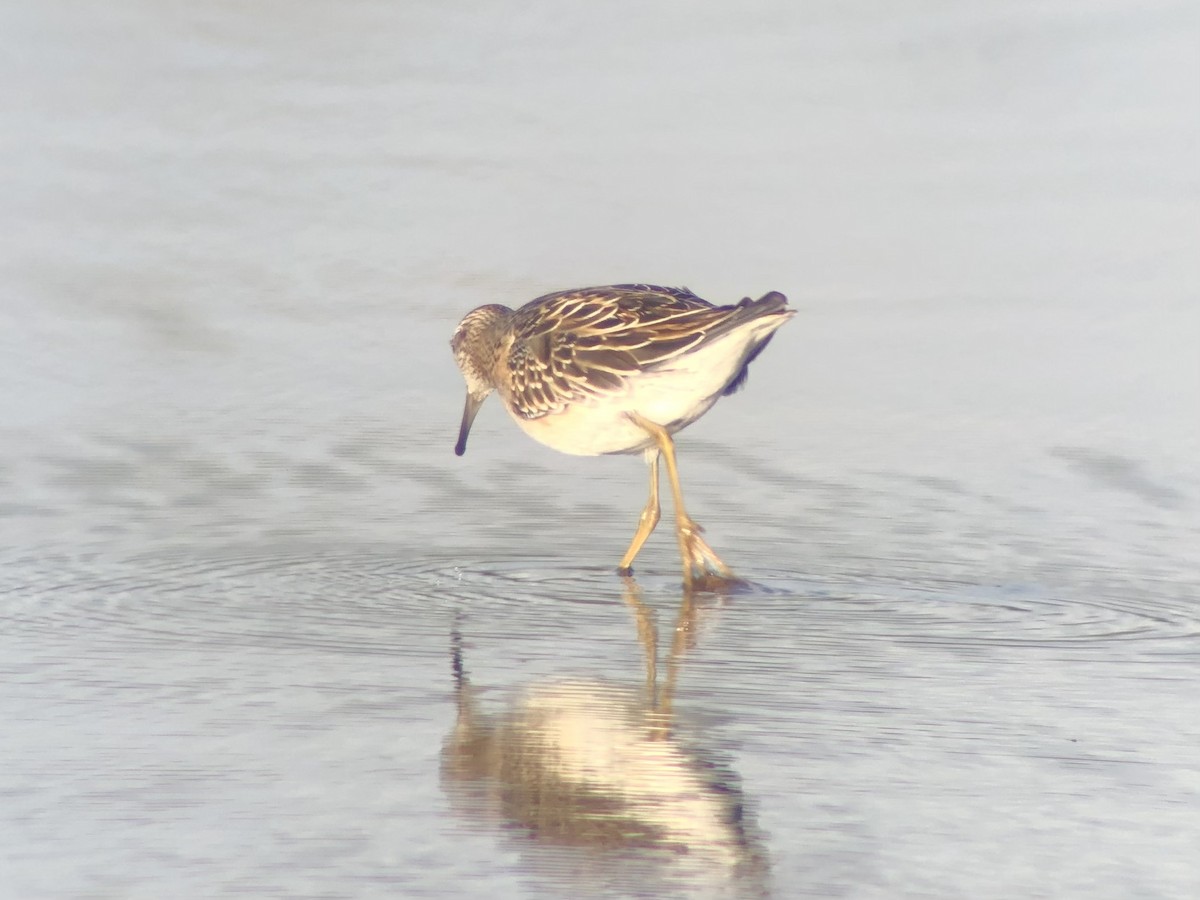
[{"x": 239, "y": 561}]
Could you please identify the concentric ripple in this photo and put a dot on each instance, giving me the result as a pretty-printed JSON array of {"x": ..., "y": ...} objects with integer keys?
[
  {"x": 348, "y": 599},
  {"x": 278, "y": 598},
  {"x": 929, "y": 611}
]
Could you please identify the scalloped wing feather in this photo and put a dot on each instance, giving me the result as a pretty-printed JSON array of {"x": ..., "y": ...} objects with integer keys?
[{"x": 585, "y": 343}]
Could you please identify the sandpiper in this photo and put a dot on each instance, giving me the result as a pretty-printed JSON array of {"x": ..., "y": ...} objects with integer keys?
[{"x": 617, "y": 369}]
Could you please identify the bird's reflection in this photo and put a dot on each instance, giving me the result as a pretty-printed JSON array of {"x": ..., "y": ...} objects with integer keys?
[{"x": 606, "y": 768}]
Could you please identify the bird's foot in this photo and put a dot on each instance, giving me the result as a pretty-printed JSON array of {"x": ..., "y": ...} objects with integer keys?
[{"x": 703, "y": 570}]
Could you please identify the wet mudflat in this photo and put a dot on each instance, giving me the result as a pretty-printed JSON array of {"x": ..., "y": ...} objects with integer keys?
[{"x": 261, "y": 633}]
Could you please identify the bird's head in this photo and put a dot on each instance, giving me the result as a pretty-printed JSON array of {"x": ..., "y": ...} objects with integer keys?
[{"x": 476, "y": 346}]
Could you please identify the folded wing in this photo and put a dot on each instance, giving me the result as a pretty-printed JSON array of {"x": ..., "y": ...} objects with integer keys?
[{"x": 585, "y": 343}]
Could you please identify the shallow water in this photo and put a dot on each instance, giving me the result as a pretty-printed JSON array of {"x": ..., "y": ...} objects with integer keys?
[{"x": 262, "y": 633}]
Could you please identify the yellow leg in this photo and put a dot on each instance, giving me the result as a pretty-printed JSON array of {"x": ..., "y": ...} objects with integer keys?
[
  {"x": 700, "y": 562},
  {"x": 646, "y": 522}
]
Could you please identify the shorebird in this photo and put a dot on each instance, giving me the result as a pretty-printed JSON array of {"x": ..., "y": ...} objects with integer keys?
[{"x": 617, "y": 369}]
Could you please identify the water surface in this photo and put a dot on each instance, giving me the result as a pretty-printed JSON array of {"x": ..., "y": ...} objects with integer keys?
[{"x": 261, "y": 633}]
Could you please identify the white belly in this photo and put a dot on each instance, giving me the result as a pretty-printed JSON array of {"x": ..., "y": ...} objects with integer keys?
[
  {"x": 589, "y": 429},
  {"x": 673, "y": 396}
]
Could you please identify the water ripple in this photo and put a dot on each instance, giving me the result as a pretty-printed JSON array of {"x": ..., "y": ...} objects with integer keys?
[
  {"x": 348, "y": 600},
  {"x": 956, "y": 612}
]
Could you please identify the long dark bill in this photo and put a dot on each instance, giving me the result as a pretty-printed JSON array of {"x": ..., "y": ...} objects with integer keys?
[{"x": 469, "y": 411}]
